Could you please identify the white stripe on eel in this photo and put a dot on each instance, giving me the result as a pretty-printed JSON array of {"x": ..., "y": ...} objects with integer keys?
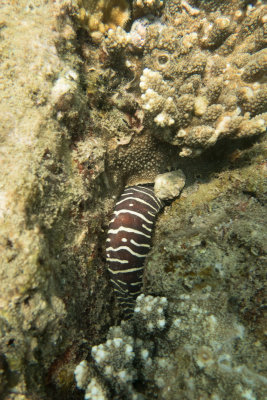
[
  {"x": 130, "y": 230},
  {"x": 124, "y": 271},
  {"x": 125, "y": 211},
  {"x": 127, "y": 249}
]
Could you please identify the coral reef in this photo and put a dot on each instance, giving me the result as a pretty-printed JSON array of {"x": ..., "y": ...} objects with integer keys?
[
  {"x": 197, "y": 101},
  {"x": 125, "y": 356},
  {"x": 98, "y": 16},
  {"x": 98, "y": 95},
  {"x": 198, "y": 350},
  {"x": 142, "y": 7},
  {"x": 200, "y": 74}
]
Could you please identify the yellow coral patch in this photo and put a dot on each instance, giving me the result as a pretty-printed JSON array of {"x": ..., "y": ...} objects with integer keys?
[{"x": 100, "y": 16}]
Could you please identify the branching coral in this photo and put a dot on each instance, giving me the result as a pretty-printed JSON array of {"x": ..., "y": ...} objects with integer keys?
[
  {"x": 147, "y": 6},
  {"x": 98, "y": 16},
  {"x": 205, "y": 93},
  {"x": 146, "y": 350},
  {"x": 193, "y": 78},
  {"x": 116, "y": 359}
]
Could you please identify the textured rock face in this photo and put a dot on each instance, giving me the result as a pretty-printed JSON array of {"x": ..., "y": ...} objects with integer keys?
[
  {"x": 84, "y": 112},
  {"x": 44, "y": 222},
  {"x": 169, "y": 185}
]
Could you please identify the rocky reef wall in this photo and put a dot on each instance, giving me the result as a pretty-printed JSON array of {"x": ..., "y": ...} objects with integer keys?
[{"x": 97, "y": 95}]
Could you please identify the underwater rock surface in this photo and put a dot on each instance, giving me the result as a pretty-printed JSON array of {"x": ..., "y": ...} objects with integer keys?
[{"x": 85, "y": 111}]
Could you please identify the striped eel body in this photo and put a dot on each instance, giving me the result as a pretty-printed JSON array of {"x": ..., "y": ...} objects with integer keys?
[{"x": 128, "y": 242}]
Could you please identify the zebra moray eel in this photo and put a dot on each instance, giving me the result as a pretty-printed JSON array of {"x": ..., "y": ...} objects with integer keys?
[{"x": 128, "y": 242}]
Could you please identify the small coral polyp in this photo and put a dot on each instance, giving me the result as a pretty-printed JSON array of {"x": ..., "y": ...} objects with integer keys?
[
  {"x": 150, "y": 4},
  {"x": 102, "y": 15}
]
